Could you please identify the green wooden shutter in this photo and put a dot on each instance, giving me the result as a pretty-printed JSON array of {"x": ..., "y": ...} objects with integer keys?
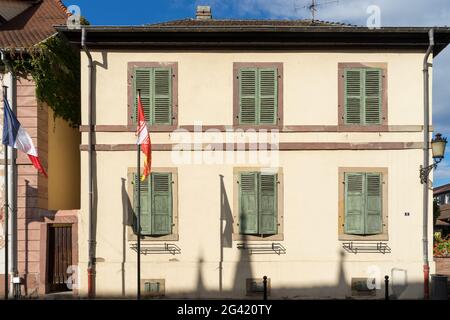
[
  {"x": 248, "y": 203},
  {"x": 143, "y": 81},
  {"x": 353, "y": 84},
  {"x": 373, "y": 96},
  {"x": 268, "y": 91},
  {"x": 268, "y": 204},
  {"x": 354, "y": 203},
  {"x": 145, "y": 205},
  {"x": 161, "y": 203},
  {"x": 162, "y": 96},
  {"x": 373, "y": 204},
  {"x": 248, "y": 96}
]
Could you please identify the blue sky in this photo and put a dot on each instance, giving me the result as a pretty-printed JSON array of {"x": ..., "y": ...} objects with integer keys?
[{"x": 393, "y": 13}]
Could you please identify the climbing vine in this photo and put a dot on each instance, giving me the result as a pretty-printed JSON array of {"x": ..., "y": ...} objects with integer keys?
[{"x": 55, "y": 68}]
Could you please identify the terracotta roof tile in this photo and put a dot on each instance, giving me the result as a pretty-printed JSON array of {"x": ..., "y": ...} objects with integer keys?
[
  {"x": 441, "y": 189},
  {"x": 189, "y": 22},
  {"x": 33, "y": 25}
]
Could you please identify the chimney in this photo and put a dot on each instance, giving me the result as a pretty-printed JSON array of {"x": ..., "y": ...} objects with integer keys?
[{"x": 203, "y": 13}]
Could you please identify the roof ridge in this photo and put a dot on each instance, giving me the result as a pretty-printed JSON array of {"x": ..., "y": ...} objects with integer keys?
[{"x": 310, "y": 22}]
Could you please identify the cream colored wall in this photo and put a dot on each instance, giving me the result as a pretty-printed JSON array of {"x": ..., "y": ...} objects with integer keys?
[
  {"x": 310, "y": 232},
  {"x": 63, "y": 164},
  {"x": 310, "y": 85},
  {"x": 312, "y": 264}
]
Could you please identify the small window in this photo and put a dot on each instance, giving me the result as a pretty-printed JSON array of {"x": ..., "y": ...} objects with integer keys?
[
  {"x": 153, "y": 288},
  {"x": 363, "y": 287},
  {"x": 156, "y": 204},
  {"x": 258, "y": 203},
  {"x": 255, "y": 287},
  {"x": 447, "y": 198}
]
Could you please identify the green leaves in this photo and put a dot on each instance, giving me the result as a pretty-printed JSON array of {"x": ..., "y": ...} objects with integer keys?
[{"x": 55, "y": 68}]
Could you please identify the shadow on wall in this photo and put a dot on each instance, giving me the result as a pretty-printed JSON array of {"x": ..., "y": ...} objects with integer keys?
[{"x": 341, "y": 288}]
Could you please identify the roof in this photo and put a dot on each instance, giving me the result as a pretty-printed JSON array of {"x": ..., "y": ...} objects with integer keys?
[
  {"x": 441, "y": 189},
  {"x": 445, "y": 212},
  {"x": 189, "y": 22},
  {"x": 33, "y": 25},
  {"x": 258, "y": 35}
]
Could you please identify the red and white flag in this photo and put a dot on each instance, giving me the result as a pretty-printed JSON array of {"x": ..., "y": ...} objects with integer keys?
[{"x": 144, "y": 140}]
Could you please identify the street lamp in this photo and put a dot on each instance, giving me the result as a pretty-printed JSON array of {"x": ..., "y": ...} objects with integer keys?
[{"x": 438, "y": 144}]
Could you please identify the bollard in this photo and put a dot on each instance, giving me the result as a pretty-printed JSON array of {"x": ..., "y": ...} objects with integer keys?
[
  {"x": 265, "y": 287},
  {"x": 386, "y": 287}
]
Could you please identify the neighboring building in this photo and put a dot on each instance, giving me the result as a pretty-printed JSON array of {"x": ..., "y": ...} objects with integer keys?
[
  {"x": 442, "y": 196},
  {"x": 45, "y": 207},
  {"x": 348, "y": 104}
]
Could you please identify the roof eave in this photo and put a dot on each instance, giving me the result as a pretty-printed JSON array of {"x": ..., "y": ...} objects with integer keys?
[{"x": 259, "y": 38}]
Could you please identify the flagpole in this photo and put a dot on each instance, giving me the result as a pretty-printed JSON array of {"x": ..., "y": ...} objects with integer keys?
[
  {"x": 5, "y": 154},
  {"x": 138, "y": 170}
]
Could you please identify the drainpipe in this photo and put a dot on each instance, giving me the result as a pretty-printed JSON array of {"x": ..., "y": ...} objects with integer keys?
[
  {"x": 91, "y": 263},
  {"x": 13, "y": 181},
  {"x": 426, "y": 160}
]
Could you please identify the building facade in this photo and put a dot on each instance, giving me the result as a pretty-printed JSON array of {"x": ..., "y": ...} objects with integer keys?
[
  {"x": 43, "y": 213},
  {"x": 279, "y": 149},
  {"x": 442, "y": 197}
]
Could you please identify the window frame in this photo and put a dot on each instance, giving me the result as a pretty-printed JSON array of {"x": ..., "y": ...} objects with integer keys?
[
  {"x": 237, "y": 236},
  {"x": 342, "y": 236},
  {"x": 131, "y": 94},
  {"x": 174, "y": 236},
  {"x": 237, "y": 66},
  {"x": 342, "y": 126}
]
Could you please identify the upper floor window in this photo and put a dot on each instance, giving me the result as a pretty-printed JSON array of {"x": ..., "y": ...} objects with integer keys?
[
  {"x": 363, "y": 95},
  {"x": 157, "y": 84},
  {"x": 258, "y": 94}
]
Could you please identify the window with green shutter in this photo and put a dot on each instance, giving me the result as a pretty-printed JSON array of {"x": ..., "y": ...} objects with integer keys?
[
  {"x": 155, "y": 85},
  {"x": 258, "y": 203},
  {"x": 156, "y": 204},
  {"x": 258, "y": 96},
  {"x": 363, "y": 203},
  {"x": 363, "y": 92}
]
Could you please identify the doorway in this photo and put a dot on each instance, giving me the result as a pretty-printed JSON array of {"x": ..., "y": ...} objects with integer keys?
[{"x": 59, "y": 257}]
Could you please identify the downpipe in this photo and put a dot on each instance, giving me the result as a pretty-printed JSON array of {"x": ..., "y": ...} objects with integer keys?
[
  {"x": 91, "y": 263},
  {"x": 426, "y": 160}
]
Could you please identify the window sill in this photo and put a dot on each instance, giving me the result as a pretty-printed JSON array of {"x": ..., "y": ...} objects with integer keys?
[
  {"x": 363, "y": 128},
  {"x": 169, "y": 237},
  {"x": 354, "y": 237},
  {"x": 258, "y": 126},
  {"x": 243, "y": 237}
]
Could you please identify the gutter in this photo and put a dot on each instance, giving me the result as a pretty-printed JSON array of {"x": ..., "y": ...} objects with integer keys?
[
  {"x": 426, "y": 160},
  {"x": 91, "y": 263}
]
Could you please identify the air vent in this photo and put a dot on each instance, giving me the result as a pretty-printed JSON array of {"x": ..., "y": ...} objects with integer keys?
[
  {"x": 153, "y": 287},
  {"x": 255, "y": 287}
]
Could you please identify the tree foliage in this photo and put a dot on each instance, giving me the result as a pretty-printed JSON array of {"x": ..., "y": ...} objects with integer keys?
[{"x": 55, "y": 68}]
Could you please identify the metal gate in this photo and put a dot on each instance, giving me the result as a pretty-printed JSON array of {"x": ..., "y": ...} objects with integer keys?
[{"x": 59, "y": 257}]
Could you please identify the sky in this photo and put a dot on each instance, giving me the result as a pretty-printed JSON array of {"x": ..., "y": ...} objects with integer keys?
[{"x": 393, "y": 13}]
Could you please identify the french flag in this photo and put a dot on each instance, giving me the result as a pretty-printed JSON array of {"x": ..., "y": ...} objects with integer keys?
[{"x": 16, "y": 137}]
